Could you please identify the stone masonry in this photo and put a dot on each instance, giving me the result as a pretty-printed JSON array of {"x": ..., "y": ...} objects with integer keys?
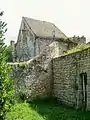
[
  {"x": 61, "y": 78},
  {"x": 31, "y": 79},
  {"x": 45, "y": 70},
  {"x": 67, "y": 72}
]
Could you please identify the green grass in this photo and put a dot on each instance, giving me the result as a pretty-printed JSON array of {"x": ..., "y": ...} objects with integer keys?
[{"x": 45, "y": 110}]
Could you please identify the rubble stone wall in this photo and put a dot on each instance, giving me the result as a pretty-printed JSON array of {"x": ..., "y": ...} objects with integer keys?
[
  {"x": 59, "y": 77},
  {"x": 32, "y": 80},
  {"x": 66, "y": 75}
]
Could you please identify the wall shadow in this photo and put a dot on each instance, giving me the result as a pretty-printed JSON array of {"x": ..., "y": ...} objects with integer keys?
[{"x": 51, "y": 109}]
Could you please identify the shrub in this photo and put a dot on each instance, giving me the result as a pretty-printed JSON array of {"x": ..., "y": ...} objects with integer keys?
[{"x": 5, "y": 82}]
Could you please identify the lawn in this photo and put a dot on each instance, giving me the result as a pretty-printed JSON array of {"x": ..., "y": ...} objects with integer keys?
[{"x": 45, "y": 110}]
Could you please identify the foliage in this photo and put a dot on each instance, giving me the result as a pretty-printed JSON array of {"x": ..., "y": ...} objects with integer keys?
[
  {"x": 22, "y": 111},
  {"x": 45, "y": 110},
  {"x": 23, "y": 65},
  {"x": 5, "y": 82},
  {"x": 9, "y": 54},
  {"x": 77, "y": 48}
]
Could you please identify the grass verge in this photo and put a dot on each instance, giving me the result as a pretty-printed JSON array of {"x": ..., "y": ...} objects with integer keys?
[{"x": 45, "y": 110}]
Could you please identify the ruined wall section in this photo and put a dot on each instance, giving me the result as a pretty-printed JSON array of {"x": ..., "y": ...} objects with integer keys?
[
  {"x": 78, "y": 40},
  {"x": 32, "y": 80},
  {"x": 42, "y": 44},
  {"x": 51, "y": 48},
  {"x": 66, "y": 76}
]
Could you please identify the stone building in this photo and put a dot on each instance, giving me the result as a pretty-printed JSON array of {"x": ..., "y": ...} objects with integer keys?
[
  {"x": 66, "y": 76},
  {"x": 34, "y": 36}
]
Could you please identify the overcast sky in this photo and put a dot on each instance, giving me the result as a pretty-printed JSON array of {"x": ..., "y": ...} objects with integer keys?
[{"x": 70, "y": 16}]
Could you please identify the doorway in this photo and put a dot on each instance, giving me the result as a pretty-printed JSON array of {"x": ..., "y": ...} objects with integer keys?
[{"x": 83, "y": 84}]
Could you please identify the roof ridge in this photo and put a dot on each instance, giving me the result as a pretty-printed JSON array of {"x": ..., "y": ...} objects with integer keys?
[{"x": 38, "y": 20}]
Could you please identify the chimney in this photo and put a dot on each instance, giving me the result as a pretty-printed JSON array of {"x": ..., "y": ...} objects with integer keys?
[
  {"x": 83, "y": 39},
  {"x": 12, "y": 45}
]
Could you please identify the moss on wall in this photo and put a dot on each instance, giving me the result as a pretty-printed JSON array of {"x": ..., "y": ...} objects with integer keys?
[{"x": 77, "y": 48}]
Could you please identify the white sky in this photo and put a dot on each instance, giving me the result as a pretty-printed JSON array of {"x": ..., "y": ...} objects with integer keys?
[{"x": 70, "y": 16}]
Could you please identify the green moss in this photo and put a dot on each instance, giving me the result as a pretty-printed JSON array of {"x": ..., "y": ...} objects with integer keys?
[
  {"x": 77, "y": 48},
  {"x": 23, "y": 65}
]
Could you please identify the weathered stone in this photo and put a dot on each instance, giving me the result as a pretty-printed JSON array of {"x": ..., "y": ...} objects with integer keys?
[
  {"x": 49, "y": 72},
  {"x": 66, "y": 75}
]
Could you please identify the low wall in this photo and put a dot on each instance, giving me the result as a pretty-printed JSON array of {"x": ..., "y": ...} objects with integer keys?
[{"x": 32, "y": 80}]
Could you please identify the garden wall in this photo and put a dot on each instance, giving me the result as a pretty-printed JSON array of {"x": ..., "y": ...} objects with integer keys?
[
  {"x": 67, "y": 84},
  {"x": 67, "y": 78},
  {"x": 31, "y": 79}
]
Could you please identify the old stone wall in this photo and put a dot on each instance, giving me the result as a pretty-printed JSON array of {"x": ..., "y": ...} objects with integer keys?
[
  {"x": 25, "y": 46},
  {"x": 78, "y": 40},
  {"x": 32, "y": 79},
  {"x": 51, "y": 74},
  {"x": 51, "y": 48},
  {"x": 41, "y": 45},
  {"x": 66, "y": 75}
]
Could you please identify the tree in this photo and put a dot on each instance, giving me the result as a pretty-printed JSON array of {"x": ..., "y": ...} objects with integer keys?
[{"x": 5, "y": 82}]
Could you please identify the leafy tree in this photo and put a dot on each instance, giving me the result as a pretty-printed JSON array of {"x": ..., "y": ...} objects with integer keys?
[{"x": 5, "y": 82}]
